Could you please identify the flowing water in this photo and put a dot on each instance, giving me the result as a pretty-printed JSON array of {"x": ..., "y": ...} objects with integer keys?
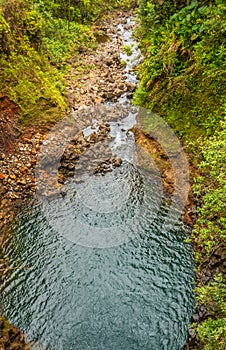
[{"x": 105, "y": 266}]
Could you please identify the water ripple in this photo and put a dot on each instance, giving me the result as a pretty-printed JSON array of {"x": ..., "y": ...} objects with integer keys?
[{"x": 134, "y": 296}]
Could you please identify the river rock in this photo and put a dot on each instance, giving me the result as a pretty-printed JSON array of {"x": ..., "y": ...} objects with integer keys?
[{"x": 117, "y": 161}]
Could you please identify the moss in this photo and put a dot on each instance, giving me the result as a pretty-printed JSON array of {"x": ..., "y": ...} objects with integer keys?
[
  {"x": 31, "y": 81},
  {"x": 37, "y": 41},
  {"x": 128, "y": 50},
  {"x": 183, "y": 74},
  {"x": 7, "y": 325}
]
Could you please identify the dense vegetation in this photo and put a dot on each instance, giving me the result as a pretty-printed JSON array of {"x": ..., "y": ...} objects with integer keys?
[
  {"x": 36, "y": 40},
  {"x": 182, "y": 78}
]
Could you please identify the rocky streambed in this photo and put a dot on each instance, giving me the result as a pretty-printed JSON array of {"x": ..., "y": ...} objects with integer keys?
[{"x": 103, "y": 80}]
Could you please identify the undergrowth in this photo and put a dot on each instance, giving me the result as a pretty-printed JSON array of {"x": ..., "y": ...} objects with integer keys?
[
  {"x": 182, "y": 78},
  {"x": 37, "y": 40}
]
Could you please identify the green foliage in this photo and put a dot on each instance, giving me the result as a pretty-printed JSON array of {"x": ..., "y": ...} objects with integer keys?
[
  {"x": 26, "y": 75},
  {"x": 37, "y": 38},
  {"x": 183, "y": 74},
  {"x": 128, "y": 50},
  {"x": 210, "y": 227},
  {"x": 82, "y": 11},
  {"x": 182, "y": 78},
  {"x": 61, "y": 44},
  {"x": 29, "y": 83},
  {"x": 213, "y": 295},
  {"x": 212, "y": 332},
  {"x": 23, "y": 23}
]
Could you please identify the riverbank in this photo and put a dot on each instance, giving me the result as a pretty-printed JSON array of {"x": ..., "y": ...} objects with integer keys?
[
  {"x": 182, "y": 79},
  {"x": 11, "y": 337}
]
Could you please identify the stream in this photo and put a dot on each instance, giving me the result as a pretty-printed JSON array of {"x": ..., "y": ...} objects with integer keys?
[{"x": 103, "y": 265}]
